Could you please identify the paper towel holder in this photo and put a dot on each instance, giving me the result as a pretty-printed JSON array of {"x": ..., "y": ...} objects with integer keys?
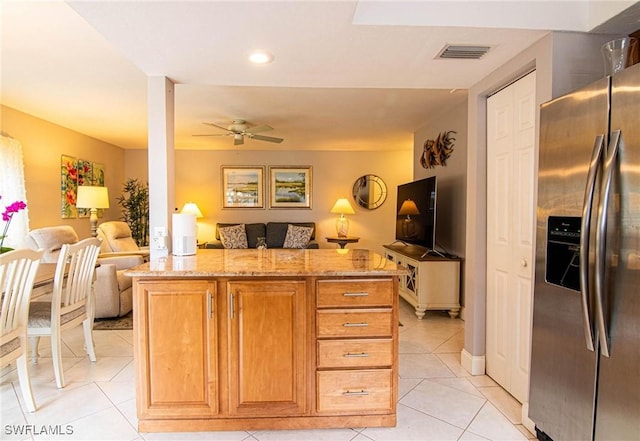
[{"x": 185, "y": 242}]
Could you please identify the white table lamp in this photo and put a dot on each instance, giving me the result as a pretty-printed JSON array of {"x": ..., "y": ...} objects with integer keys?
[
  {"x": 92, "y": 197},
  {"x": 343, "y": 207},
  {"x": 192, "y": 208},
  {"x": 408, "y": 208}
]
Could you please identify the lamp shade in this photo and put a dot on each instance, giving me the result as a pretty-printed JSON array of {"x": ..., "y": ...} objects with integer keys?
[
  {"x": 342, "y": 206},
  {"x": 191, "y": 208},
  {"x": 408, "y": 207},
  {"x": 92, "y": 197}
]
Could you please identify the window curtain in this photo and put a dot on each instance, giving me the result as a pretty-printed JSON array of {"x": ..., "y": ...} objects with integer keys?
[{"x": 12, "y": 189}]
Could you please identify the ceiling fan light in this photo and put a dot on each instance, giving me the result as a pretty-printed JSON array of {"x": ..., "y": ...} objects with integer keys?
[{"x": 261, "y": 57}]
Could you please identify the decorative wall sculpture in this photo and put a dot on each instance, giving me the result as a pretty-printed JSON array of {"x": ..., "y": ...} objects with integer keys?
[{"x": 437, "y": 151}]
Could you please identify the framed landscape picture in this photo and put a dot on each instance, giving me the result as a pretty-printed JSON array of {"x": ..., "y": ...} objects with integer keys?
[
  {"x": 242, "y": 187},
  {"x": 290, "y": 187}
]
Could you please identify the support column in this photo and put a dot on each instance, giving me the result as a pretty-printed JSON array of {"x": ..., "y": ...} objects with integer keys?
[{"x": 161, "y": 151}]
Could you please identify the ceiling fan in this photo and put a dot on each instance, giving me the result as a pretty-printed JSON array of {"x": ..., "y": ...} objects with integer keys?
[{"x": 239, "y": 129}]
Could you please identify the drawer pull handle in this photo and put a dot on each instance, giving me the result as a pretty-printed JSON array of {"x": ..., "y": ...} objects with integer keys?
[
  {"x": 355, "y": 393},
  {"x": 355, "y": 354},
  {"x": 355, "y": 294},
  {"x": 210, "y": 304},
  {"x": 355, "y": 325}
]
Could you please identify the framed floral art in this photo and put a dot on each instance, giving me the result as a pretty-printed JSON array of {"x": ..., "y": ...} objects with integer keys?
[
  {"x": 75, "y": 172},
  {"x": 69, "y": 187}
]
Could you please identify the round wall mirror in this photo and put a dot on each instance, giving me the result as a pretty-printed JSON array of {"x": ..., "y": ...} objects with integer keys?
[{"x": 369, "y": 191}]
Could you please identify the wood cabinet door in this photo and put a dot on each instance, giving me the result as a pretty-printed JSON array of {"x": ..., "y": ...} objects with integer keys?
[
  {"x": 179, "y": 360},
  {"x": 267, "y": 348}
]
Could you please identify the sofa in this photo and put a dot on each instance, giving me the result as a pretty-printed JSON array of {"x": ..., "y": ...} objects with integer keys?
[{"x": 275, "y": 234}]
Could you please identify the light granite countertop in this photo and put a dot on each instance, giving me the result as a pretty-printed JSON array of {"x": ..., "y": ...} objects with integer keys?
[{"x": 270, "y": 263}]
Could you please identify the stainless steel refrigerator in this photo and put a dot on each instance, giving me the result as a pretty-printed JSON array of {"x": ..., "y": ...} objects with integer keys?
[{"x": 585, "y": 356}]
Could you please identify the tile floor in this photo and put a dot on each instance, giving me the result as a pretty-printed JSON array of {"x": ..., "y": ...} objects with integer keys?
[{"x": 438, "y": 400}]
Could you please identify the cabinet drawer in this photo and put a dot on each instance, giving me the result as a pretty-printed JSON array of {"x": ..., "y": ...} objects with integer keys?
[
  {"x": 355, "y": 353},
  {"x": 357, "y": 293},
  {"x": 355, "y": 323},
  {"x": 355, "y": 391}
]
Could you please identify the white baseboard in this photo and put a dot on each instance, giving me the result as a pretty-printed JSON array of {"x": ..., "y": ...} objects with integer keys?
[
  {"x": 526, "y": 422},
  {"x": 474, "y": 364},
  {"x": 462, "y": 314}
]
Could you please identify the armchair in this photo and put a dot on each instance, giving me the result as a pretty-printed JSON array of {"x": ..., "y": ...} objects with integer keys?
[
  {"x": 113, "y": 291},
  {"x": 50, "y": 239},
  {"x": 118, "y": 253},
  {"x": 116, "y": 238}
]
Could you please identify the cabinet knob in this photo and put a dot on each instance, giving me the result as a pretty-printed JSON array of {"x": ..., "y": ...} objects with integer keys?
[{"x": 524, "y": 263}]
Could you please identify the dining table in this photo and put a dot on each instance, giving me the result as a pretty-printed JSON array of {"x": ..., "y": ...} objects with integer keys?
[
  {"x": 43, "y": 283},
  {"x": 45, "y": 275}
]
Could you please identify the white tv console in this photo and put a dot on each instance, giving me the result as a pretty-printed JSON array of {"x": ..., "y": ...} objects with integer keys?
[{"x": 433, "y": 282}]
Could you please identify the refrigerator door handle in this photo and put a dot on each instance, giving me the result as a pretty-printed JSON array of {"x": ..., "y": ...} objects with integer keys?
[
  {"x": 585, "y": 227},
  {"x": 601, "y": 234}
]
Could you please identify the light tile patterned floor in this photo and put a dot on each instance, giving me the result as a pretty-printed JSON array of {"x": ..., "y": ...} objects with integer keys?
[{"x": 438, "y": 400}]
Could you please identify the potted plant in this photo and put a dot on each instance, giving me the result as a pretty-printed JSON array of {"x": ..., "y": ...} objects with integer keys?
[
  {"x": 135, "y": 209},
  {"x": 7, "y": 215}
]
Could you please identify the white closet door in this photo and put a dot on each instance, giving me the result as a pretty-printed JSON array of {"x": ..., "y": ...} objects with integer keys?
[{"x": 511, "y": 123}]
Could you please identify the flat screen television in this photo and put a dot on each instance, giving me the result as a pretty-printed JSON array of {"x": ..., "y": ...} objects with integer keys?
[{"x": 416, "y": 213}]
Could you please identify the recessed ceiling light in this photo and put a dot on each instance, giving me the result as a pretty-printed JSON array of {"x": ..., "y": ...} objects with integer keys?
[{"x": 261, "y": 57}]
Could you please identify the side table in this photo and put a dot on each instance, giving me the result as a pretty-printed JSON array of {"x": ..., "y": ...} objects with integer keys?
[{"x": 342, "y": 241}]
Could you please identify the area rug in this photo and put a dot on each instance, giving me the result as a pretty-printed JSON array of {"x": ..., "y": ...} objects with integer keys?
[{"x": 110, "y": 324}]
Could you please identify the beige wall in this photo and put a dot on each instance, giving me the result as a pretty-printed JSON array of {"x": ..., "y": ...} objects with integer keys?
[
  {"x": 43, "y": 143},
  {"x": 563, "y": 62},
  {"x": 451, "y": 180},
  {"x": 198, "y": 180}
]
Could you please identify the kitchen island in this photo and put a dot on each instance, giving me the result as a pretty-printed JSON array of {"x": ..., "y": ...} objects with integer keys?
[{"x": 266, "y": 339}]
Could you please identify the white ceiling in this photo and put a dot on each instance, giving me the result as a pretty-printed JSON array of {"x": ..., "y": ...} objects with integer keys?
[{"x": 347, "y": 75}]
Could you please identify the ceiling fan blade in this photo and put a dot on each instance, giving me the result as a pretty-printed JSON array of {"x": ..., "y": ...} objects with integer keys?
[
  {"x": 267, "y": 138},
  {"x": 215, "y": 125},
  {"x": 258, "y": 129},
  {"x": 238, "y": 131}
]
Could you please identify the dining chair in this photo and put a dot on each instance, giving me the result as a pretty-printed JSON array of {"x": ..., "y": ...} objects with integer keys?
[
  {"x": 17, "y": 272},
  {"x": 71, "y": 303},
  {"x": 118, "y": 253}
]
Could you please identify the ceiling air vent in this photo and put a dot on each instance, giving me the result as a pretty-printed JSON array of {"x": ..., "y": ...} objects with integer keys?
[{"x": 464, "y": 52}]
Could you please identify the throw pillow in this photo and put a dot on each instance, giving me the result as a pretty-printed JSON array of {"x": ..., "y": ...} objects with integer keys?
[
  {"x": 233, "y": 237},
  {"x": 297, "y": 237}
]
